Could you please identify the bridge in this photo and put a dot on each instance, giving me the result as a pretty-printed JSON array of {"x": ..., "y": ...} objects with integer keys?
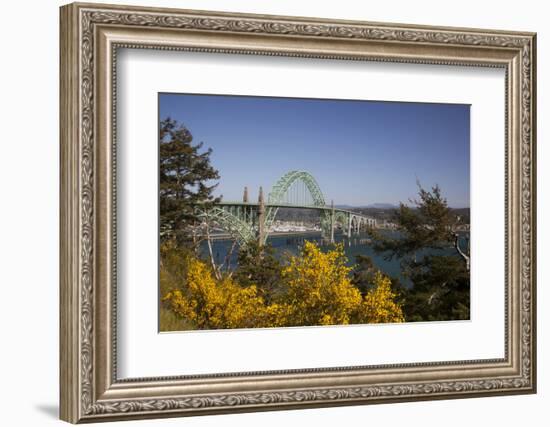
[{"x": 248, "y": 221}]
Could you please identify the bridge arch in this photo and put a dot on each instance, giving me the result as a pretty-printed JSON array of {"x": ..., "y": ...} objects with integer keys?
[{"x": 283, "y": 185}]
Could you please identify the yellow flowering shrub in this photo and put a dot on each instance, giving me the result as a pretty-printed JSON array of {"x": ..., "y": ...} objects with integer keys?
[
  {"x": 315, "y": 290},
  {"x": 379, "y": 305},
  {"x": 319, "y": 291},
  {"x": 215, "y": 305},
  {"x": 174, "y": 261}
]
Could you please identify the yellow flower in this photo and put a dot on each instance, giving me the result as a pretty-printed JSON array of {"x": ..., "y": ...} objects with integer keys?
[
  {"x": 316, "y": 290},
  {"x": 379, "y": 304}
]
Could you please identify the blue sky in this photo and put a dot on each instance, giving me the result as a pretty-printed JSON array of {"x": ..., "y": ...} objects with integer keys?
[{"x": 360, "y": 152}]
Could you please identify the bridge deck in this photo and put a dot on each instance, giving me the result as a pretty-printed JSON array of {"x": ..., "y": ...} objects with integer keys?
[{"x": 291, "y": 206}]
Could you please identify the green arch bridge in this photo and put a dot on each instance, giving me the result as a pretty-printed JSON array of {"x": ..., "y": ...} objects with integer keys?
[{"x": 248, "y": 221}]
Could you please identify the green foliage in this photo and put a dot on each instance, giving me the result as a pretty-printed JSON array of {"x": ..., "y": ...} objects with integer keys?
[
  {"x": 363, "y": 273},
  {"x": 441, "y": 290},
  {"x": 174, "y": 260},
  {"x": 363, "y": 277},
  {"x": 258, "y": 265},
  {"x": 427, "y": 225},
  {"x": 185, "y": 179},
  {"x": 441, "y": 283}
]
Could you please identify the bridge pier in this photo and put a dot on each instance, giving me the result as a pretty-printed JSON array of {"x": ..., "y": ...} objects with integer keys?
[
  {"x": 261, "y": 218},
  {"x": 332, "y": 221}
]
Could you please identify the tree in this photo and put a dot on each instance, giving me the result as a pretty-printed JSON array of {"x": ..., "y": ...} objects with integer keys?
[
  {"x": 362, "y": 274},
  {"x": 364, "y": 278},
  {"x": 258, "y": 265},
  {"x": 185, "y": 180},
  {"x": 441, "y": 290},
  {"x": 427, "y": 226},
  {"x": 441, "y": 285}
]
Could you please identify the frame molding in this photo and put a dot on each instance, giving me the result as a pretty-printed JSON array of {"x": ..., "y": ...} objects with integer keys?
[{"x": 90, "y": 36}]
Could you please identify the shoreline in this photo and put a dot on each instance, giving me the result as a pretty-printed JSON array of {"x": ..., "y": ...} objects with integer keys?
[{"x": 227, "y": 236}]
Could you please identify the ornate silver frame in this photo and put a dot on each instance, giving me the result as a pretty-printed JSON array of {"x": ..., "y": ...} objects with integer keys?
[{"x": 90, "y": 36}]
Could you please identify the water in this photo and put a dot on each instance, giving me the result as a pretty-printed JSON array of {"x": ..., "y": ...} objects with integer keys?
[{"x": 356, "y": 245}]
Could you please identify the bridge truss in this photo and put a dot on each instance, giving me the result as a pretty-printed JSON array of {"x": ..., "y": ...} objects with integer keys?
[{"x": 247, "y": 222}]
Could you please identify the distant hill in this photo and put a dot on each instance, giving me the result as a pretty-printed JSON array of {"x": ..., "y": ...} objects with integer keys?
[
  {"x": 381, "y": 206},
  {"x": 386, "y": 211},
  {"x": 380, "y": 211},
  {"x": 369, "y": 206}
]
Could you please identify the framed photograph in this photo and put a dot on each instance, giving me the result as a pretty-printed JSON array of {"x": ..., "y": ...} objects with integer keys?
[{"x": 266, "y": 212}]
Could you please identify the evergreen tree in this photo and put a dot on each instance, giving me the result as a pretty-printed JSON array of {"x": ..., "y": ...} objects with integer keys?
[
  {"x": 428, "y": 225},
  {"x": 185, "y": 180},
  {"x": 258, "y": 265},
  {"x": 441, "y": 281},
  {"x": 363, "y": 277},
  {"x": 441, "y": 290}
]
